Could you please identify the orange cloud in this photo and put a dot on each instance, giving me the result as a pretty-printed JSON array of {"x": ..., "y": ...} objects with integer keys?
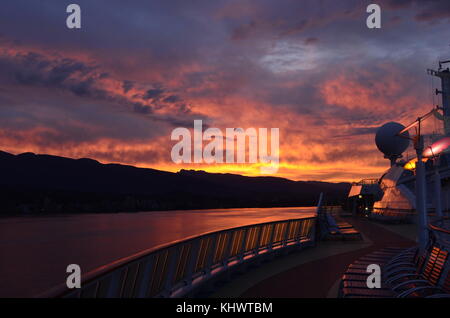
[{"x": 317, "y": 140}]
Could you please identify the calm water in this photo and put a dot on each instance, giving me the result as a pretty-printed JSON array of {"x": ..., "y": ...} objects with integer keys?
[{"x": 35, "y": 251}]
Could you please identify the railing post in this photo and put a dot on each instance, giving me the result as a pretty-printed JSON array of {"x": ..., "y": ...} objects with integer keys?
[
  {"x": 300, "y": 231},
  {"x": 173, "y": 258},
  {"x": 144, "y": 286},
  {"x": 286, "y": 233},
  {"x": 240, "y": 255},
  {"x": 210, "y": 256},
  {"x": 272, "y": 234},
  {"x": 227, "y": 249},
  {"x": 191, "y": 262},
  {"x": 421, "y": 201},
  {"x": 116, "y": 285},
  {"x": 319, "y": 217},
  {"x": 312, "y": 234},
  {"x": 258, "y": 241},
  {"x": 319, "y": 203}
]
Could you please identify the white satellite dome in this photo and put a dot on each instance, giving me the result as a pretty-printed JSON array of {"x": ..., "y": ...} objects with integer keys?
[{"x": 388, "y": 142}]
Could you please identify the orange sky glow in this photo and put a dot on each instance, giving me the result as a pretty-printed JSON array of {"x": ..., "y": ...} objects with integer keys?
[{"x": 114, "y": 91}]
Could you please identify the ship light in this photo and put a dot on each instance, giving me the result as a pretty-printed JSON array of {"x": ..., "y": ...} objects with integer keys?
[
  {"x": 411, "y": 165},
  {"x": 437, "y": 148}
]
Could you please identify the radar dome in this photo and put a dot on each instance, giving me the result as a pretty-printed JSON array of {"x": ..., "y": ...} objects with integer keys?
[{"x": 388, "y": 142}]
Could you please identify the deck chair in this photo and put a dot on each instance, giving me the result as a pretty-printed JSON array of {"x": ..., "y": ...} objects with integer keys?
[
  {"x": 402, "y": 267},
  {"x": 445, "y": 287},
  {"x": 424, "y": 265},
  {"x": 427, "y": 283}
]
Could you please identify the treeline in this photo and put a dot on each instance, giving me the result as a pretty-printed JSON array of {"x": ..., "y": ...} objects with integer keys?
[{"x": 42, "y": 184}]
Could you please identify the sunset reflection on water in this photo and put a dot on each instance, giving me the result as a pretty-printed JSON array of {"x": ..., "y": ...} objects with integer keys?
[{"x": 35, "y": 251}]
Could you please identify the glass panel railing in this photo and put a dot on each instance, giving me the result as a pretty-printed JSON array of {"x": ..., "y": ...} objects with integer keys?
[{"x": 176, "y": 269}]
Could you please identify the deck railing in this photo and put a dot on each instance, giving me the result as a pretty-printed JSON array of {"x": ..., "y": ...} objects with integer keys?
[
  {"x": 176, "y": 269},
  {"x": 366, "y": 182},
  {"x": 440, "y": 229},
  {"x": 392, "y": 214},
  {"x": 401, "y": 215}
]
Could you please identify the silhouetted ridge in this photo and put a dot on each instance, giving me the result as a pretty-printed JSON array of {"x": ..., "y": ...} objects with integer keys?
[{"x": 33, "y": 183}]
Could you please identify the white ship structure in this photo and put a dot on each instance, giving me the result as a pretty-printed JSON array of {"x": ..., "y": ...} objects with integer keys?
[{"x": 410, "y": 187}]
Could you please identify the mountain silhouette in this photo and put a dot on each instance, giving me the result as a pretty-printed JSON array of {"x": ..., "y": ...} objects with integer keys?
[{"x": 35, "y": 184}]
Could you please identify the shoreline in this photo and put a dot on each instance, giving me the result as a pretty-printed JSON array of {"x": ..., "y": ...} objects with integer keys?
[{"x": 202, "y": 210}]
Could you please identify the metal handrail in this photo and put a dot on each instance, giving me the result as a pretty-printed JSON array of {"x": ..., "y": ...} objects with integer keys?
[
  {"x": 438, "y": 228},
  {"x": 177, "y": 268},
  {"x": 397, "y": 210},
  {"x": 366, "y": 182}
]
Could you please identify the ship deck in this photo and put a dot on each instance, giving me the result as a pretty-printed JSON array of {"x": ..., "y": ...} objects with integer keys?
[{"x": 316, "y": 272}]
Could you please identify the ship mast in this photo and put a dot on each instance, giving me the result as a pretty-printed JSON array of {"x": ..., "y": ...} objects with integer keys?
[{"x": 444, "y": 75}]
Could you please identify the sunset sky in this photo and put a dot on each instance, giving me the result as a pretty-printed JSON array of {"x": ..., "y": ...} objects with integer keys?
[{"x": 114, "y": 90}]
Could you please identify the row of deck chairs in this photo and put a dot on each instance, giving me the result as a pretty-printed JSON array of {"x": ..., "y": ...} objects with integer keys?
[
  {"x": 405, "y": 273},
  {"x": 331, "y": 229}
]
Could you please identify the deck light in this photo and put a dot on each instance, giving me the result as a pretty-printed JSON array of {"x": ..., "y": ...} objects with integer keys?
[
  {"x": 411, "y": 165},
  {"x": 440, "y": 146}
]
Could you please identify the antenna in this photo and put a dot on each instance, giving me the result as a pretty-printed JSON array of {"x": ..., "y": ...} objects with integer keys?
[
  {"x": 417, "y": 122},
  {"x": 444, "y": 75},
  {"x": 441, "y": 63}
]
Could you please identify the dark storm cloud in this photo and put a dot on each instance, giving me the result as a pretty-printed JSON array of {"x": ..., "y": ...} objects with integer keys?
[
  {"x": 154, "y": 93},
  {"x": 31, "y": 68},
  {"x": 142, "y": 109},
  {"x": 127, "y": 85},
  {"x": 425, "y": 10},
  {"x": 81, "y": 79},
  {"x": 172, "y": 99}
]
